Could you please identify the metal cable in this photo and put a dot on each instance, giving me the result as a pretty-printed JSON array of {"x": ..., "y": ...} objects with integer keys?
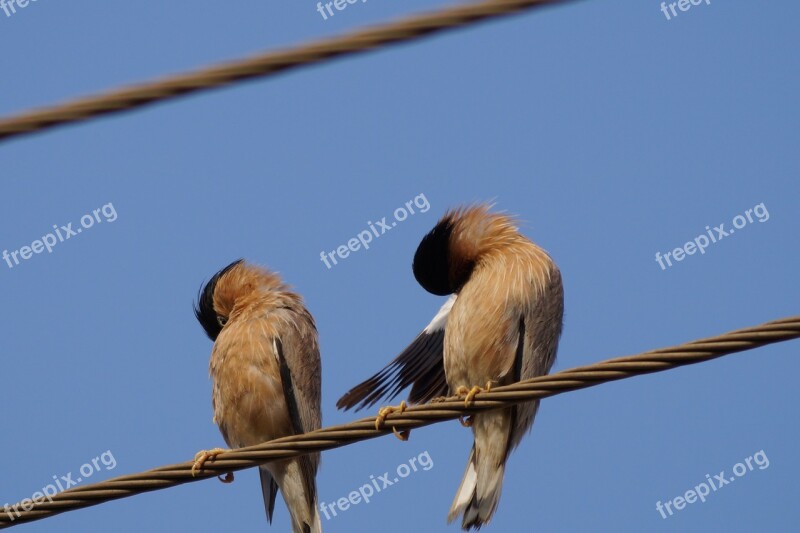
[
  {"x": 414, "y": 417},
  {"x": 266, "y": 64}
]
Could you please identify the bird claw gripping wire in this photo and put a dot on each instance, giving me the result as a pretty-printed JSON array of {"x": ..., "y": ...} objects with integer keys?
[
  {"x": 471, "y": 393},
  {"x": 202, "y": 456},
  {"x": 383, "y": 412},
  {"x": 469, "y": 396}
]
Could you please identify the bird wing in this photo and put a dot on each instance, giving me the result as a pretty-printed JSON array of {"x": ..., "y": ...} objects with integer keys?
[
  {"x": 297, "y": 351},
  {"x": 421, "y": 365},
  {"x": 539, "y": 330}
]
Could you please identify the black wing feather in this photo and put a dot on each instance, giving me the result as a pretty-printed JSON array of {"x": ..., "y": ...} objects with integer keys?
[
  {"x": 269, "y": 488},
  {"x": 306, "y": 465},
  {"x": 421, "y": 364}
]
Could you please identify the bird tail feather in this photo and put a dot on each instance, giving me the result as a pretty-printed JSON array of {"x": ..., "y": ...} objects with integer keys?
[
  {"x": 479, "y": 493},
  {"x": 295, "y": 478}
]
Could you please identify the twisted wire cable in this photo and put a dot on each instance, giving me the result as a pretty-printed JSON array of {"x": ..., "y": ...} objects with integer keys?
[
  {"x": 414, "y": 417},
  {"x": 267, "y": 64}
]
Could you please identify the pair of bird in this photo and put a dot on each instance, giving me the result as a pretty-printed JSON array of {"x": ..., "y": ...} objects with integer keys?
[{"x": 500, "y": 325}]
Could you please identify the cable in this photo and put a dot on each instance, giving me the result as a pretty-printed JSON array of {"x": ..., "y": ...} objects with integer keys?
[
  {"x": 267, "y": 64},
  {"x": 414, "y": 417}
]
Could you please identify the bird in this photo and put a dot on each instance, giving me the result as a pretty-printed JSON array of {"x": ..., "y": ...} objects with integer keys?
[
  {"x": 266, "y": 379},
  {"x": 501, "y": 324}
]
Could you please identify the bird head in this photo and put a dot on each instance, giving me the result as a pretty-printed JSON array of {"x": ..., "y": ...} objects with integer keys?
[
  {"x": 448, "y": 254},
  {"x": 218, "y": 298}
]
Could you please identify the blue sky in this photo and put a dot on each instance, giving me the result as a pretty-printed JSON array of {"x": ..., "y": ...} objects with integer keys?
[{"x": 612, "y": 132}]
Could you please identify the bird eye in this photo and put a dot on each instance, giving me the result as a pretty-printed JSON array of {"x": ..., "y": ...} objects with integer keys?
[{"x": 222, "y": 320}]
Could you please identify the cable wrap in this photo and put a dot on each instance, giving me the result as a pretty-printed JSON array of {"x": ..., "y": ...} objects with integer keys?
[
  {"x": 267, "y": 64},
  {"x": 414, "y": 417}
]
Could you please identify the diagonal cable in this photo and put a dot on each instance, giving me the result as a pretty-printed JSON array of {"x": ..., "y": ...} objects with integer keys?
[
  {"x": 414, "y": 417},
  {"x": 267, "y": 64}
]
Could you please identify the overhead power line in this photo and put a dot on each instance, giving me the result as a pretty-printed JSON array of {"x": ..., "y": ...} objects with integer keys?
[
  {"x": 267, "y": 64},
  {"x": 414, "y": 417}
]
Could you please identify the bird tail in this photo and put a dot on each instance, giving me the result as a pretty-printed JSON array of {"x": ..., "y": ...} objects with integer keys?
[
  {"x": 479, "y": 493},
  {"x": 269, "y": 488},
  {"x": 296, "y": 479}
]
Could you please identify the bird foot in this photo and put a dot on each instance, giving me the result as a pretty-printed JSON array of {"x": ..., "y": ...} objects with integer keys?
[
  {"x": 471, "y": 393},
  {"x": 202, "y": 456},
  {"x": 438, "y": 399},
  {"x": 383, "y": 412}
]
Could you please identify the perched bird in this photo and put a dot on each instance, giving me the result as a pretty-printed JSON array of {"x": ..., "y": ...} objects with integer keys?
[
  {"x": 265, "y": 369},
  {"x": 501, "y": 325}
]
